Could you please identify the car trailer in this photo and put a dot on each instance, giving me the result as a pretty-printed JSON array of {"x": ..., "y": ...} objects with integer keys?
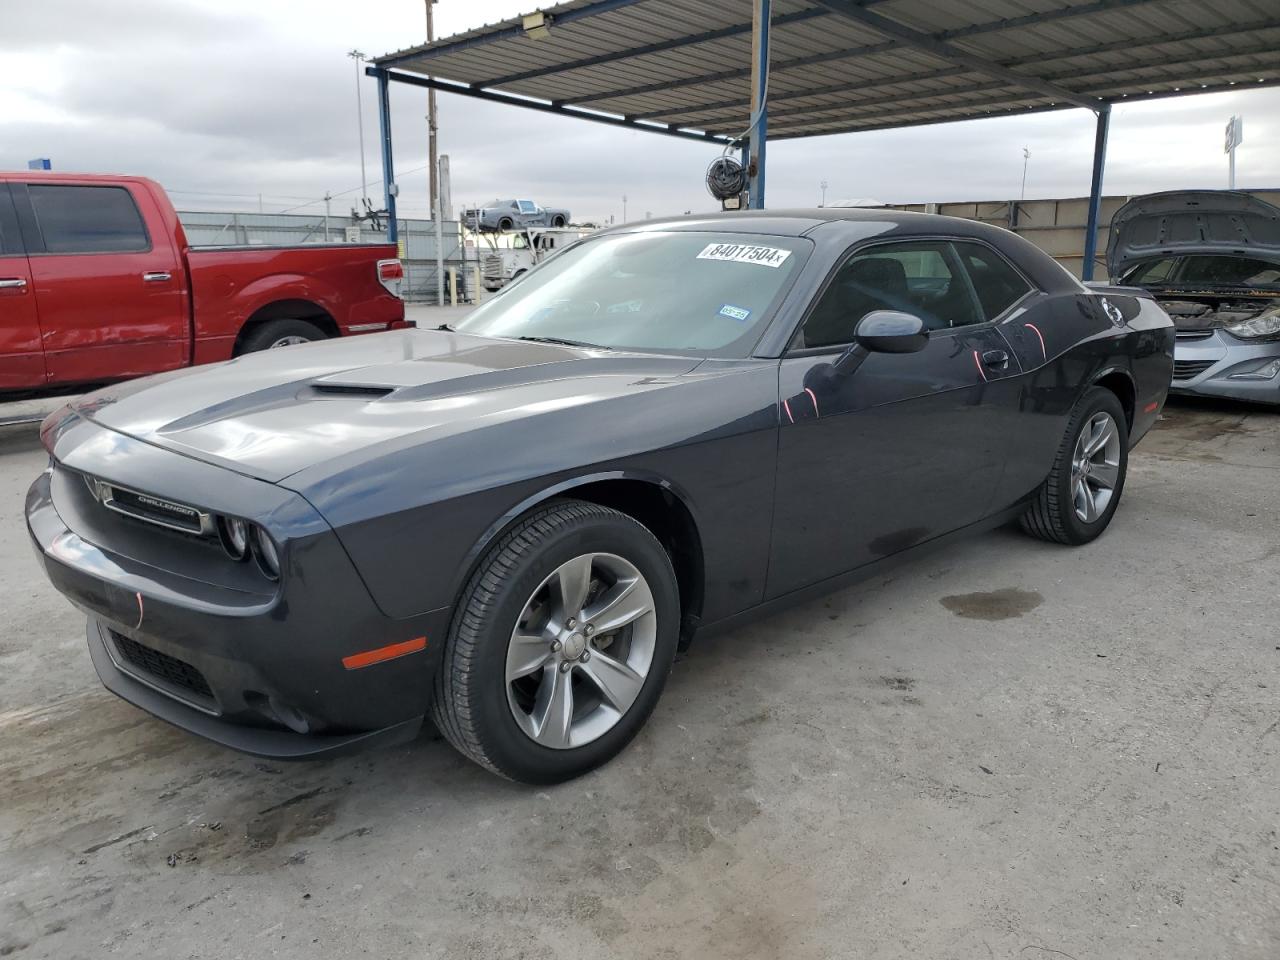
[{"x": 737, "y": 73}]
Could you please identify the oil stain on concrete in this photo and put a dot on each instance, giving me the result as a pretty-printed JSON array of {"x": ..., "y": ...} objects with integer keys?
[{"x": 1004, "y": 604}]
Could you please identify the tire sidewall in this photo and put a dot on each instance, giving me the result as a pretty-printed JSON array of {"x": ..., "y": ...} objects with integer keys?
[
  {"x": 272, "y": 330},
  {"x": 1095, "y": 401},
  {"x": 505, "y": 743}
]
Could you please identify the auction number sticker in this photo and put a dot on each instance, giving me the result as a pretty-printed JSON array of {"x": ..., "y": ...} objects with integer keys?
[{"x": 745, "y": 253}]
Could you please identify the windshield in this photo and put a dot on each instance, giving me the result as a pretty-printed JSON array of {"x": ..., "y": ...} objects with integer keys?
[
  {"x": 706, "y": 293},
  {"x": 1206, "y": 270}
]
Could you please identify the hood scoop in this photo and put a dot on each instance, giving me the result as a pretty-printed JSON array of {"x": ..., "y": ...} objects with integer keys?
[{"x": 350, "y": 391}]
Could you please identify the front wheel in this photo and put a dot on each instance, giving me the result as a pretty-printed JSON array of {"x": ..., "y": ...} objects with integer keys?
[
  {"x": 1080, "y": 495},
  {"x": 560, "y": 646}
]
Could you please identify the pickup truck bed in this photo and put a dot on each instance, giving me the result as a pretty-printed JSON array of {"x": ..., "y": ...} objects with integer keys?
[{"x": 98, "y": 283}]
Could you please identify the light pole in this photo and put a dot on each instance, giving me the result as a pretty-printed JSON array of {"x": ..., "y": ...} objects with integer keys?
[
  {"x": 624, "y": 208},
  {"x": 432, "y": 159},
  {"x": 1026, "y": 157},
  {"x": 823, "y": 185},
  {"x": 359, "y": 58}
]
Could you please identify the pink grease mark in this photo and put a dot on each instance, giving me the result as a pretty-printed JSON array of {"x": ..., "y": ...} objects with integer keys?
[
  {"x": 814, "y": 398},
  {"x": 786, "y": 406},
  {"x": 1034, "y": 329},
  {"x": 978, "y": 362},
  {"x": 140, "y": 611}
]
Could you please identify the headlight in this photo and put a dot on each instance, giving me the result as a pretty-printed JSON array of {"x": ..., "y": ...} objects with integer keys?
[
  {"x": 265, "y": 551},
  {"x": 234, "y": 534},
  {"x": 1265, "y": 324}
]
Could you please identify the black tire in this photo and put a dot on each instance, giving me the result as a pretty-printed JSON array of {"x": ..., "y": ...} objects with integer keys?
[
  {"x": 1052, "y": 515},
  {"x": 469, "y": 703},
  {"x": 266, "y": 335},
  {"x": 558, "y": 222},
  {"x": 505, "y": 224}
]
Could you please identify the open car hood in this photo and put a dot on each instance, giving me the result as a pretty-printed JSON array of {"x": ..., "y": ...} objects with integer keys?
[{"x": 1192, "y": 221}]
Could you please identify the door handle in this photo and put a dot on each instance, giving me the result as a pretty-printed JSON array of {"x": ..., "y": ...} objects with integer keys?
[
  {"x": 998, "y": 359},
  {"x": 159, "y": 276},
  {"x": 13, "y": 283}
]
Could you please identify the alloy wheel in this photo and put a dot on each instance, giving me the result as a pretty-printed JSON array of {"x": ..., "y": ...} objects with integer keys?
[
  {"x": 1095, "y": 467},
  {"x": 287, "y": 342},
  {"x": 581, "y": 650}
]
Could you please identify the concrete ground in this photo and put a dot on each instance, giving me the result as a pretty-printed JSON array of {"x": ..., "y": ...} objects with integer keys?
[{"x": 1006, "y": 750}]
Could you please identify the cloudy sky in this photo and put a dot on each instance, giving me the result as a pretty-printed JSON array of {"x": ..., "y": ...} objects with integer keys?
[{"x": 224, "y": 101}]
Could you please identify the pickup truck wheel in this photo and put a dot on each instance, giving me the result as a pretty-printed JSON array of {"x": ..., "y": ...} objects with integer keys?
[
  {"x": 279, "y": 333},
  {"x": 1080, "y": 495},
  {"x": 560, "y": 646},
  {"x": 558, "y": 222},
  {"x": 505, "y": 224}
]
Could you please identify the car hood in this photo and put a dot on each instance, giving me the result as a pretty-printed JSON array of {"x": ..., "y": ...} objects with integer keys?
[
  {"x": 1192, "y": 221},
  {"x": 272, "y": 414}
]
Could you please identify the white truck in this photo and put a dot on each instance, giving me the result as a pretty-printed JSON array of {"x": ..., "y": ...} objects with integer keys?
[{"x": 528, "y": 248}]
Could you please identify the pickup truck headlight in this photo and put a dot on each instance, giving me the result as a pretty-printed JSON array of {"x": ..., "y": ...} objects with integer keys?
[{"x": 1262, "y": 327}]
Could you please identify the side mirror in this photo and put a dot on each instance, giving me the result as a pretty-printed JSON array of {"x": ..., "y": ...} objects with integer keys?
[{"x": 891, "y": 331}]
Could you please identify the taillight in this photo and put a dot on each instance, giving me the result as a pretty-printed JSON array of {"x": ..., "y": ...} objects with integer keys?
[{"x": 391, "y": 276}]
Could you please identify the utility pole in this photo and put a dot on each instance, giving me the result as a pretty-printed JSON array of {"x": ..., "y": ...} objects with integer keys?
[
  {"x": 431, "y": 122},
  {"x": 1026, "y": 157},
  {"x": 359, "y": 58}
]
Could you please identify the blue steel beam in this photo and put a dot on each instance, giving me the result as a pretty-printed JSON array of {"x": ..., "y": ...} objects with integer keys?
[
  {"x": 388, "y": 160},
  {"x": 760, "y": 99},
  {"x": 495, "y": 96},
  {"x": 1095, "y": 192},
  {"x": 673, "y": 44},
  {"x": 919, "y": 40},
  {"x": 977, "y": 29},
  {"x": 506, "y": 33},
  {"x": 1138, "y": 47}
]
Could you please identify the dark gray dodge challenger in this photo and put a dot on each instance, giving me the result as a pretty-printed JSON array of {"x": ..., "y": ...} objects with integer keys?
[{"x": 512, "y": 526}]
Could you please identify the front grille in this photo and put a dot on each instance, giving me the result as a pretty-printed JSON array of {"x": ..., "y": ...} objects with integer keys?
[
  {"x": 162, "y": 667},
  {"x": 1186, "y": 369},
  {"x": 1193, "y": 334}
]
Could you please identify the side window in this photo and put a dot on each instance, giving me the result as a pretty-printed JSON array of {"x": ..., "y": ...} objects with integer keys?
[
  {"x": 920, "y": 277},
  {"x": 9, "y": 242},
  {"x": 997, "y": 284},
  {"x": 88, "y": 219}
]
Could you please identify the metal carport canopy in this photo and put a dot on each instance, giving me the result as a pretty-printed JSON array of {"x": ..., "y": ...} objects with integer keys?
[{"x": 687, "y": 68}]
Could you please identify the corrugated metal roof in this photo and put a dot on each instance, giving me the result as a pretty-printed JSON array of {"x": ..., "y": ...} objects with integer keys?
[{"x": 839, "y": 65}]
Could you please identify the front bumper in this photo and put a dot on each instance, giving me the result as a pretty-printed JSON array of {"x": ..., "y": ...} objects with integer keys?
[
  {"x": 259, "y": 672},
  {"x": 1204, "y": 367}
]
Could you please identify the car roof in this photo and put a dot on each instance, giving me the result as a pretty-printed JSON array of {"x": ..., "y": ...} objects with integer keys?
[{"x": 799, "y": 222}]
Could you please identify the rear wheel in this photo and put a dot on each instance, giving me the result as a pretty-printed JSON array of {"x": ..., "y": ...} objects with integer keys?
[
  {"x": 279, "y": 333},
  {"x": 561, "y": 644},
  {"x": 1080, "y": 495},
  {"x": 558, "y": 222},
  {"x": 505, "y": 224}
]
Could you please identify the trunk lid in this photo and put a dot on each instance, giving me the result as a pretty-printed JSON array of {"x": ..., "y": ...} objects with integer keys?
[
  {"x": 1184, "y": 222},
  {"x": 271, "y": 414}
]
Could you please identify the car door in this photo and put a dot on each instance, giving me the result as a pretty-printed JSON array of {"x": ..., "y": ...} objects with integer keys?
[
  {"x": 905, "y": 448},
  {"x": 21, "y": 355},
  {"x": 528, "y": 215},
  {"x": 111, "y": 293}
]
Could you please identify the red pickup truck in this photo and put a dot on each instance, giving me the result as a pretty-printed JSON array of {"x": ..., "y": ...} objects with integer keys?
[{"x": 98, "y": 283}]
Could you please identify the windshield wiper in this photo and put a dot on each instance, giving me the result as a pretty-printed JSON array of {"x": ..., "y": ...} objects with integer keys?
[{"x": 565, "y": 343}]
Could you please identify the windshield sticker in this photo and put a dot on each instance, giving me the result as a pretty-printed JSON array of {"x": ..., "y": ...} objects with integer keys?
[
  {"x": 745, "y": 253},
  {"x": 737, "y": 313}
]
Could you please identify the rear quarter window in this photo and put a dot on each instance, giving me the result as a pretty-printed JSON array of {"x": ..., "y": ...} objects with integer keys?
[
  {"x": 80, "y": 219},
  {"x": 996, "y": 283}
]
